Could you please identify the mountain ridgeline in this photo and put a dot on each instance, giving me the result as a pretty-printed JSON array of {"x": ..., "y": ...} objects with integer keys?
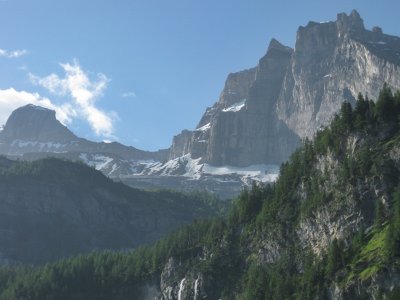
[
  {"x": 329, "y": 228},
  {"x": 51, "y": 209},
  {"x": 258, "y": 121},
  {"x": 264, "y": 112}
]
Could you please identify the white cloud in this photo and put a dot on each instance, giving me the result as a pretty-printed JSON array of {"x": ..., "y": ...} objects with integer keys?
[
  {"x": 10, "y": 99},
  {"x": 83, "y": 92},
  {"x": 13, "y": 53},
  {"x": 129, "y": 95}
]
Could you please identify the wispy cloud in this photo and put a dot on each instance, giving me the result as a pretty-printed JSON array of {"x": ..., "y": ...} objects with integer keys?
[
  {"x": 82, "y": 92},
  {"x": 128, "y": 95},
  {"x": 13, "y": 53}
]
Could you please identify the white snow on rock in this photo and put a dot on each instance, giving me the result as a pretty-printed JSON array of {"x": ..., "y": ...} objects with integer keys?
[
  {"x": 204, "y": 127},
  {"x": 235, "y": 107},
  {"x": 193, "y": 168},
  {"x": 41, "y": 146},
  {"x": 96, "y": 160},
  {"x": 261, "y": 172}
]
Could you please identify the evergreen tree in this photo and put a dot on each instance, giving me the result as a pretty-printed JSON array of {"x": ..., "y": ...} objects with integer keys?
[{"x": 335, "y": 258}]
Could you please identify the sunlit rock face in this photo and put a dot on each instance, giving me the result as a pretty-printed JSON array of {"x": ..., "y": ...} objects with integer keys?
[
  {"x": 258, "y": 121},
  {"x": 332, "y": 63},
  {"x": 264, "y": 112}
]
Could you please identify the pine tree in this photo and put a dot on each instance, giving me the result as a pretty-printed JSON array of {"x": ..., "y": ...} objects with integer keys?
[{"x": 335, "y": 258}]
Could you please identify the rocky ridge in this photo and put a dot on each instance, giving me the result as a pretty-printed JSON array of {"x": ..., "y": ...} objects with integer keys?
[
  {"x": 329, "y": 228},
  {"x": 264, "y": 112},
  {"x": 258, "y": 121}
]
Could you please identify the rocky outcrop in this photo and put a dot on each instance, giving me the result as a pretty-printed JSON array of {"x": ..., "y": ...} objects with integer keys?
[
  {"x": 241, "y": 129},
  {"x": 260, "y": 117},
  {"x": 263, "y": 112},
  {"x": 36, "y": 123},
  {"x": 332, "y": 63}
]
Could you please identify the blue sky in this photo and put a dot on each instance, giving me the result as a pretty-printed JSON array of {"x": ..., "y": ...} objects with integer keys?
[{"x": 140, "y": 71}]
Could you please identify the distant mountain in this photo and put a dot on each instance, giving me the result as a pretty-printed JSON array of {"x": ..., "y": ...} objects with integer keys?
[
  {"x": 52, "y": 209},
  {"x": 34, "y": 129},
  {"x": 33, "y": 132},
  {"x": 258, "y": 121},
  {"x": 37, "y": 124}
]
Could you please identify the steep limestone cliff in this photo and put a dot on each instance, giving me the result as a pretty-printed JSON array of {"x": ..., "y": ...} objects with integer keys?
[
  {"x": 263, "y": 112},
  {"x": 332, "y": 63},
  {"x": 241, "y": 129}
]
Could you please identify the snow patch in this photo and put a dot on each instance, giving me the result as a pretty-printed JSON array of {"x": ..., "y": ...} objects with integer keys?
[
  {"x": 42, "y": 146},
  {"x": 204, "y": 127},
  {"x": 193, "y": 168},
  {"x": 261, "y": 172},
  {"x": 379, "y": 42},
  {"x": 96, "y": 160},
  {"x": 235, "y": 107}
]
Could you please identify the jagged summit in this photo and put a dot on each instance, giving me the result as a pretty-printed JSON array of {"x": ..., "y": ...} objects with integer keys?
[
  {"x": 261, "y": 114},
  {"x": 352, "y": 22},
  {"x": 274, "y": 44},
  {"x": 35, "y": 123}
]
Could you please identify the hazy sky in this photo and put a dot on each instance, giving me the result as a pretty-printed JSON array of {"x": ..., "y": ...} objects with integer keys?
[{"x": 140, "y": 71}]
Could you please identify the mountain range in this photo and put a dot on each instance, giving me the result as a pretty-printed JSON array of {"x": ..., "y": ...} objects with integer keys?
[
  {"x": 259, "y": 119},
  {"x": 328, "y": 228}
]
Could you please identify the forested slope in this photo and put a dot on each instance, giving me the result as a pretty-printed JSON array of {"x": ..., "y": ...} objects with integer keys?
[{"x": 328, "y": 229}]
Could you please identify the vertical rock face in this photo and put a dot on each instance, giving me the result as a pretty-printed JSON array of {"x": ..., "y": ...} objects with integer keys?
[
  {"x": 248, "y": 132},
  {"x": 332, "y": 63},
  {"x": 259, "y": 119},
  {"x": 242, "y": 128},
  {"x": 195, "y": 142},
  {"x": 263, "y": 112}
]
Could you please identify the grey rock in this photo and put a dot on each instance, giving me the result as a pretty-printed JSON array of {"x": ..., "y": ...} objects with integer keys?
[
  {"x": 293, "y": 92},
  {"x": 241, "y": 128},
  {"x": 332, "y": 63},
  {"x": 32, "y": 122}
]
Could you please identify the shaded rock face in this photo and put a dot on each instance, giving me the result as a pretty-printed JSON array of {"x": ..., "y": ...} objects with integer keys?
[
  {"x": 241, "y": 128},
  {"x": 253, "y": 134},
  {"x": 36, "y": 123},
  {"x": 263, "y": 112}
]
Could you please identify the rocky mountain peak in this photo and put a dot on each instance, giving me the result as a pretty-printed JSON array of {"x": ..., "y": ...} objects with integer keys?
[
  {"x": 351, "y": 23},
  {"x": 274, "y": 44},
  {"x": 35, "y": 123}
]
